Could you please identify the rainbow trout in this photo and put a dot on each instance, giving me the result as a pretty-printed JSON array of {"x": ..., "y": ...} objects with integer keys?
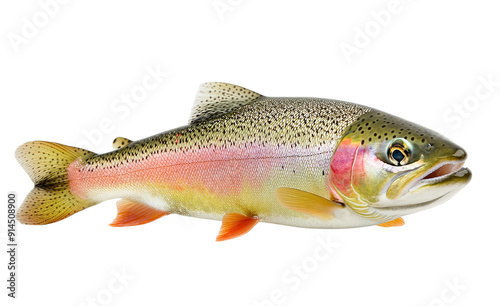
[{"x": 245, "y": 158}]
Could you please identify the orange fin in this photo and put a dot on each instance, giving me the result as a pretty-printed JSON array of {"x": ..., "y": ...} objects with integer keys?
[
  {"x": 307, "y": 203},
  {"x": 235, "y": 225},
  {"x": 132, "y": 213},
  {"x": 395, "y": 222}
]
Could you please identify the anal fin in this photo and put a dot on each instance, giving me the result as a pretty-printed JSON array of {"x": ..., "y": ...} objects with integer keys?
[
  {"x": 132, "y": 213},
  {"x": 235, "y": 225},
  {"x": 395, "y": 222}
]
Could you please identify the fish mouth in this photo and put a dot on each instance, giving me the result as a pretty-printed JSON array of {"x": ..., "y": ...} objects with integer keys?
[
  {"x": 411, "y": 206},
  {"x": 431, "y": 186},
  {"x": 442, "y": 173}
]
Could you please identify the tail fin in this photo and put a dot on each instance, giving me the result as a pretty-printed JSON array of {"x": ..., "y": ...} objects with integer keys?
[{"x": 51, "y": 200}]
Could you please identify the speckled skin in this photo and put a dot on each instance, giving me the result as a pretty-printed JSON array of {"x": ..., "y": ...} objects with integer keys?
[
  {"x": 295, "y": 161},
  {"x": 230, "y": 163},
  {"x": 375, "y": 184}
]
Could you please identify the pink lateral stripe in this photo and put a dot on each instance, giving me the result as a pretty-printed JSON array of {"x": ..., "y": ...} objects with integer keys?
[{"x": 219, "y": 171}]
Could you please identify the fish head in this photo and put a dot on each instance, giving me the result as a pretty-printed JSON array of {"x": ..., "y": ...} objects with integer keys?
[{"x": 385, "y": 167}]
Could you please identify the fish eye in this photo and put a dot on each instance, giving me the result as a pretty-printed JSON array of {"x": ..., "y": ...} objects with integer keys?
[{"x": 398, "y": 153}]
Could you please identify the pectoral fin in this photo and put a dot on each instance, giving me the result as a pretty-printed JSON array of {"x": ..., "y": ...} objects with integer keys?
[
  {"x": 307, "y": 203},
  {"x": 235, "y": 225},
  {"x": 395, "y": 222},
  {"x": 132, "y": 213}
]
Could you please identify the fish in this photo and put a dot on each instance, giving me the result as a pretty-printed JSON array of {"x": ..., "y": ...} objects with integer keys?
[{"x": 245, "y": 158}]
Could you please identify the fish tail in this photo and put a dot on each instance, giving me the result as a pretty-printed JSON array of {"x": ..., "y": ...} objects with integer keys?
[{"x": 51, "y": 199}]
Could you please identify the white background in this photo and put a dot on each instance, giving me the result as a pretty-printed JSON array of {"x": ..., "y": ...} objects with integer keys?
[{"x": 421, "y": 64}]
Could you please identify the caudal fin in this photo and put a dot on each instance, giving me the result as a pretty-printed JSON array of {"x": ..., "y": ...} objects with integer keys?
[{"x": 51, "y": 200}]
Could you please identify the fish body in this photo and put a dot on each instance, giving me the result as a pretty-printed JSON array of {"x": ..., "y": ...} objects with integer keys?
[
  {"x": 246, "y": 158},
  {"x": 233, "y": 163}
]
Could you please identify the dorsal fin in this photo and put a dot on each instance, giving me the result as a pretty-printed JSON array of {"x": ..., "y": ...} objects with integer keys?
[
  {"x": 216, "y": 98},
  {"x": 121, "y": 142}
]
